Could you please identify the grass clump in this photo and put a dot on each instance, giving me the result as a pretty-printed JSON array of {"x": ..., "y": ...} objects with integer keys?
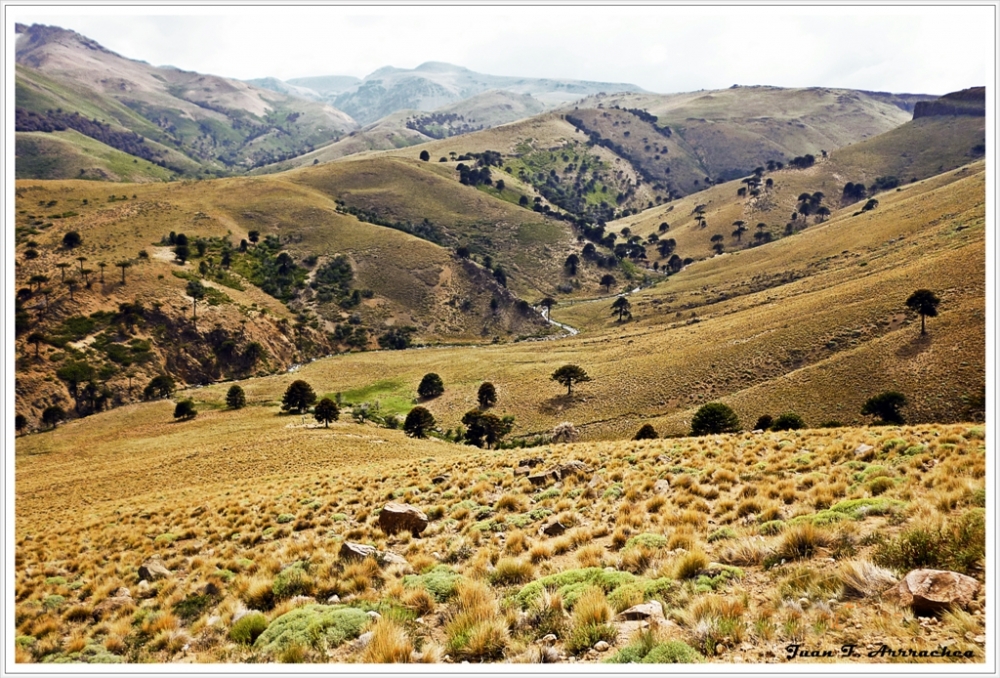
[
  {"x": 389, "y": 644},
  {"x": 292, "y": 581},
  {"x": 440, "y": 581},
  {"x": 321, "y": 627},
  {"x": 858, "y": 509},
  {"x": 958, "y": 545},
  {"x": 248, "y": 628},
  {"x": 647, "y": 648},
  {"x": 511, "y": 571},
  {"x": 590, "y": 621},
  {"x": 721, "y": 533},
  {"x": 607, "y": 581},
  {"x": 647, "y": 540},
  {"x": 476, "y": 631}
]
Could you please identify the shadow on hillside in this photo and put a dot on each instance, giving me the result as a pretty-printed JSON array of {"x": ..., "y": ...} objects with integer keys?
[
  {"x": 559, "y": 404},
  {"x": 915, "y": 346}
]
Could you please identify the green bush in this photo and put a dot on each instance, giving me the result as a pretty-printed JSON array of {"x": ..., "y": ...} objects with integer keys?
[
  {"x": 714, "y": 418},
  {"x": 608, "y": 581},
  {"x": 322, "y": 627},
  {"x": 647, "y": 650},
  {"x": 440, "y": 581},
  {"x": 248, "y": 628},
  {"x": 647, "y": 539},
  {"x": 958, "y": 545},
  {"x": 292, "y": 581}
]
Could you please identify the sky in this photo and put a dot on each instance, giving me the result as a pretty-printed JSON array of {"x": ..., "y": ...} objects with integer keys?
[{"x": 917, "y": 49}]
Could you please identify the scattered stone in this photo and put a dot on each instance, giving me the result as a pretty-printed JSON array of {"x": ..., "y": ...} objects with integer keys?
[
  {"x": 804, "y": 602},
  {"x": 374, "y": 615},
  {"x": 548, "y": 640},
  {"x": 602, "y": 646},
  {"x": 390, "y": 558},
  {"x": 551, "y": 475},
  {"x": 396, "y": 517},
  {"x": 153, "y": 569},
  {"x": 351, "y": 551},
  {"x": 553, "y": 529},
  {"x": 116, "y": 602},
  {"x": 522, "y": 471},
  {"x": 531, "y": 462},
  {"x": 934, "y": 591},
  {"x": 864, "y": 452},
  {"x": 651, "y": 610},
  {"x": 362, "y": 641},
  {"x": 333, "y": 600},
  {"x": 596, "y": 481},
  {"x": 573, "y": 467},
  {"x": 303, "y": 600},
  {"x": 720, "y": 648},
  {"x": 437, "y": 480},
  {"x": 662, "y": 486}
]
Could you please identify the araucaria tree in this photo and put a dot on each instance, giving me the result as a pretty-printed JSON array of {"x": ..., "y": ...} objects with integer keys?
[
  {"x": 419, "y": 422},
  {"x": 326, "y": 411},
  {"x": 607, "y": 281},
  {"x": 298, "y": 397},
  {"x": 196, "y": 290},
  {"x": 487, "y": 396},
  {"x": 714, "y": 418},
  {"x": 235, "y": 398},
  {"x": 622, "y": 307},
  {"x": 567, "y": 375},
  {"x": 484, "y": 429},
  {"x": 925, "y": 303},
  {"x": 184, "y": 410},
  {"x": 430, "y": 386},
  {"x": 886, "y": 407},
  {"x": 647, "y": 432}
]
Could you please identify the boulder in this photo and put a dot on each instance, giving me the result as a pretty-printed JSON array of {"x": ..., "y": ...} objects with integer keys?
[
  {"x": 662, "y": 486},
  {"x": 153, "y": 569},
  {"x": 602, "y": 646},
  {"x": 351, "y": 551},
  {"x": 437, "y": 480},
  {"x": 934, "y": 591},
  {"x": 553, "y": 529},
  {"x": 864, "y": 452},
  {"x": 652, "y": 610},
  {"x": 120, "y": 600},
  {"x": 550, "y": 476},
  {"x": 396, "y": 517},
  {"x": 390, "y": 558},
  {"x": 532, "y": 462},
  {"x": 522, "y": 471},
  {"x": 573, "y": 467}
]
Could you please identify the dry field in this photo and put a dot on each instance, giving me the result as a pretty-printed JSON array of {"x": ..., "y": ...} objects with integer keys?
[{"x": 755, "y": 541}]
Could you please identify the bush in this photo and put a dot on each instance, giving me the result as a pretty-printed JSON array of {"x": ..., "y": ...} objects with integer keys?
[
  {"x": 248, "y": 628},
  {"x": 52, "y": 415},
  {"x": 590, "y": 622},
  {"x": 319, "y": 626},
  {"x": 647, "y": 432},
  {"x": 235, "y": 398},
  {"x": 161, "y": 386},
  {"x": 419, "y": 422},
  {"x": 714, "y": 418},
  {"x": 958, "y": 545},
  {"x": 185, "y": 410},
  {"x": 440, "y": 582},
  {"x": 430, "y": 386},
  {"x": 764, "y": 423},
  {"x": 298, "y": 397},
  {"x": 671, "y": 652},
  {"x": 886, "y": 407},
  {"x": 789, "y": 421}
]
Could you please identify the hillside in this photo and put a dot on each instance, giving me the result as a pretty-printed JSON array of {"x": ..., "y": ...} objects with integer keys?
[
  {"x": 434, "y": 85},
  {"x": 187, "y": 122}
]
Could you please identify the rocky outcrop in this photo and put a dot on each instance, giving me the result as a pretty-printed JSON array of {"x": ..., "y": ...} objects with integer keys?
[
  {"x": 934, "y": 591},
  {"x": 153, "y": 569},
  {"x": 970, "y": 101}
]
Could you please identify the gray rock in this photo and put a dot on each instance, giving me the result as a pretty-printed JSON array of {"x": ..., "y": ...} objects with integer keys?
[
  {"x": 550, "y": 476},
  {"x": 602, "y": 646},
  {"x": 391, "y": 558},
  {"x": 362, "y": 641},
  {"x": 934, "y": 591},
  {"x": 662, "y": 486},
  {"x": 548, "y": 639},
  {"x": 553, "y": 529},
  {"x": 437, "y": 480},
  {"x": 864, "y": 451},
  {"x": 351, "y": 551},
  {"x": 651, "y": 610},
  {"x": 374, "y": 615},
  {"x": 153, "y": 569}
]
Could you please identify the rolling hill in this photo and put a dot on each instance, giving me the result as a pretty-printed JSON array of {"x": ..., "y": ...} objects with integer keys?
[{"x": 187, "y": 122}]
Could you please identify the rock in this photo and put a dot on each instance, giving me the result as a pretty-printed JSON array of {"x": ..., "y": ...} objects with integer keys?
[
  {"x": 437, "y": 480},
  {"x": 933, "y": 591},
  {"x": 651, "y": 610},
  {"x": 532, "y": 462},
  {"x": 113, "y": 604},
  {"x": 396, "y": 517},
  {"x": 553, "y": 529},
  {"x": 548, "y": 640},
  {"x": 662, "y": 486},
  {"x": 522, "y": 471},
  {"x": 551, "y": 475},
  {"x": 596, "y": 481},
  {"x": 864, "y": 451},
  {"x": 373, "y": 614},
  {"x": 302, "y": 600},
  {"x": 573, "y": 467},
  {"x": 333, "y": 600},
  {"x": 362, "y": 641},
  {"x": 390, "y": 558},
  {"x": 602, "y": 646},
  {"x": 351, "y": 551},
  {"x": 153, "y": 569}
]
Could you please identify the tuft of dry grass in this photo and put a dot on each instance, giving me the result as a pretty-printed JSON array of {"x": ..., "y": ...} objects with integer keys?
[{"x": 390, "y": 644}]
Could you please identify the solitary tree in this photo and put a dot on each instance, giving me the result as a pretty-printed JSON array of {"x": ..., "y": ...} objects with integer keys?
[
  {"x": 886, "y": 407},
  {"x": 253, "y": 236},
  {"x": 425, "y": 156},
  {"x": 607, "y": 281},
  {"x": 764, "y": 422},
  {"x": 36, "y": 338},
  {"x": 622, "y": 307},
  {"x": 419, "y": 421},
  {"x": 71, "y": 285},
  {"x": 789, "y": 421},
  {"x": 484, "y": 429},
  {"x": 547, "y": 303},
  {"x": 123, "y": 264},
  {"x": 430, "y": 386},
  {"x": 326, "y": 411},
  {"x": 158, "y": 387},
  {"x": 52, "y": 415},
  {"x": 102, "y": 265},
  {"x": 647, "y": 432},
  {"x": 20, "y": 423},
  {"x": 567, "y": 375},
  {"x": 185, "y": 410},
  {"x": 62, "y": 266},
  {"x": 196, "y": 291},
  {"x": 298, "y": 397},
  {"x": 925, "y": 303},
  {"x": 487, "y": 396},
  {"x": 571, "y": 264},
  {"x": 81, "y": 260},
  {"x": 72, "y": 239},
  {"x": 236, "y": 399},
  {"x": 714, "y": 418}
]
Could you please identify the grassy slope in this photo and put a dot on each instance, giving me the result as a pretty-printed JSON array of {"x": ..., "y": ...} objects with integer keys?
[{"x": 71, "y": 155}]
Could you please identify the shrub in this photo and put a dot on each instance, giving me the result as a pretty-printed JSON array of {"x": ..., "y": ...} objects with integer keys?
[
  {"x": 440, "y": 581},
  {"x": 714, "y": 418},
  {"x": 647, "y": 432},
  {"x": 690, "y": 564},
  {"x": 430, "y": 386},
  {"x": 764, "y": 422},
  {"x": 158, "y": 387},
  {"x": 512, "y": 571},
  {"x": 642, "y": 651},
  {"x": 298, "y": 397},
  {"x": 389, "y": 644},
  {"x": 319, "y": 626},
  {"x": 958, "y": 545},
  {"x": 789, "y": 421},
  {"x": 292, "y": 581},
  {"x": 248, "y": 628},
  {"x": 886, "y": 407},
  {"x": 487, "y": 396},
  {"x": 235, "y": 398},
  {"x": 590, "y": 621},
  {"x": 801, "y": 541},
  {"x": 185, "y": 410}
]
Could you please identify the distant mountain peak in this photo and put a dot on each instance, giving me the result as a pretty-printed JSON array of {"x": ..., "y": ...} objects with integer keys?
[{"x": 440, "y": 67}]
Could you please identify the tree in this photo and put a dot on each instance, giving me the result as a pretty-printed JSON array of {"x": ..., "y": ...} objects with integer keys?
[
  {"x": 419, "y": 421},
  {"x": 326, "y": 411},
  {"x": 253, "y": 236},
  {"x": 123, "y": 264},
  {"x": 62, "y": 266},
  {"x": 607, "y": 281},
  {"x": 425, "y": 156},
  {"x": 925, "y": 303},
  {"x": 72, "y": 239},
  {"x": 196, "y": 291},
  {"x": 622, "y": 307},
  {"x": 789, "y": 421},
  {"x": 20, "y": 422},
  {"x": 36, "y": 338},
  {"x": 159, "y": 387},
  {"x": 184, "y": 410},
  {"x": 764, "y": 423},
  {"x": 567, "y": 375},
  {"x": 81, "y": 260},
  {"x": 298, "y": 397},
  {"x": 102, "y": 265},
  {"x": 647, "y": 432},
  {"x": 500, "y": 275},
  {"x": 182, "y": 252},
  {"x": 430, "y": 386},
  {"x": 501, "y": 185},
  {"x": 71, "y": 285},
  {"x": 714, "y": 418},
  {"x": 571, "y": 264},
  {"x": 886, "y": 406},
  {"x": 487, "y": 396},
  {"x": 484, "y": 429},
  {"x": 236, "y": 399},
  {"x": 52, "y": 415}
]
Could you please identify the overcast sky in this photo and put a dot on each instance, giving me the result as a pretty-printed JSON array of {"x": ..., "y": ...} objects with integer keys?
[{"x": 930, "y": 50}]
